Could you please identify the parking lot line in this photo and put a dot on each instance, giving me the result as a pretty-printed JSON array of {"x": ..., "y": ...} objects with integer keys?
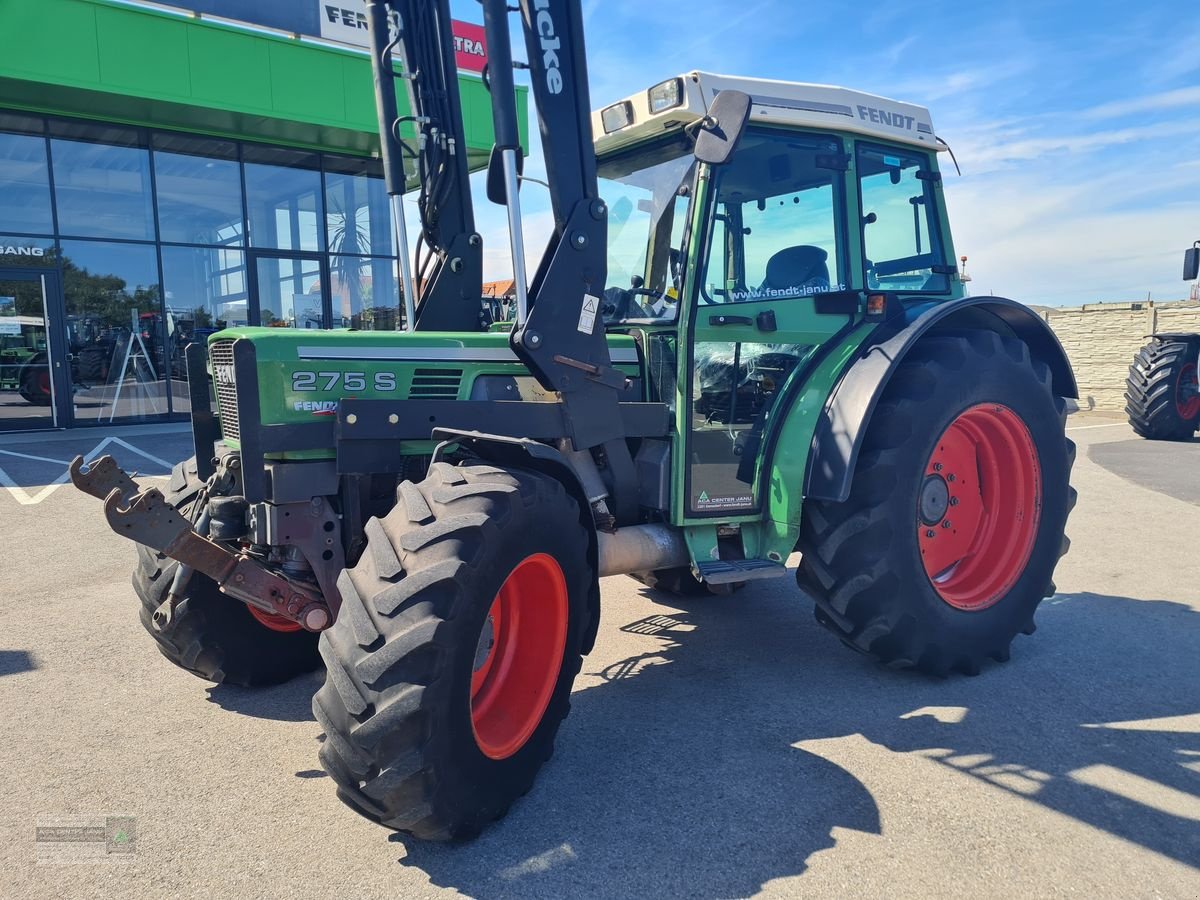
[{"x": 1105, "y": 425}]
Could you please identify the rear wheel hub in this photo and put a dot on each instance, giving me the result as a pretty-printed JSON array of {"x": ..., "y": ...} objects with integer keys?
[
  {"x": 1187, "y": 393},
  {"x": 979, "y": 506}
]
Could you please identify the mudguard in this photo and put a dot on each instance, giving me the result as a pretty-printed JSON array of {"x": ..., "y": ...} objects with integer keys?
[{"x": 839, "y": 433}]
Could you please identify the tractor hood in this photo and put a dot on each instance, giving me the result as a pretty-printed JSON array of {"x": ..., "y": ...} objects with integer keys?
[{"x": 303, "y": 373}]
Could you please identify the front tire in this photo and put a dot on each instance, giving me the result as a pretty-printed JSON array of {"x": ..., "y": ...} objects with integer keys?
[
  {"x": 212, "y": 635},
  {"x": 956, "y": 516},
  {"x": 451, "y": 661},
  {"x": 1161, "y": 391}
]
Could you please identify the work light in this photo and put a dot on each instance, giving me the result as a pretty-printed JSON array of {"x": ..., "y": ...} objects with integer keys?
[
  {"x": 666, "y": 95},
  {"x": 617, "y": 116}
]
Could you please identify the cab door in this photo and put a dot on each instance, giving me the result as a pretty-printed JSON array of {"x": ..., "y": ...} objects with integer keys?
[{"x": 771, "y": 291}]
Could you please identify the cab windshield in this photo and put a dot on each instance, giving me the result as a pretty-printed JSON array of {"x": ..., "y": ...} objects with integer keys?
[{"x": 648, "y": 193}]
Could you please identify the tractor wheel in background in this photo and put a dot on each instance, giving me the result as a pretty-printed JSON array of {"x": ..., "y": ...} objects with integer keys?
[
  {"x": 451, "y": 661},
  {"x": 211, "y": 634},
  {"x": 35, "y": 384},
  {"x": 955, "y": 520},
  {"x": 1161, "y": 392}
]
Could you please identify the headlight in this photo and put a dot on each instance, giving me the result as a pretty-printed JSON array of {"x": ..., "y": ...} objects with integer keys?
[
  {"x": 617, "y": 116},
  {"x": 666, "y": 95}
]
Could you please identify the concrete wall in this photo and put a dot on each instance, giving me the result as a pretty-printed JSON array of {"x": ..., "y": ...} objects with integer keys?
[{"x": 1101, "y": 339}]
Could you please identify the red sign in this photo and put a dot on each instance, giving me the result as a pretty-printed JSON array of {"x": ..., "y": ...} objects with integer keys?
[{"x": 470, "y": 46}]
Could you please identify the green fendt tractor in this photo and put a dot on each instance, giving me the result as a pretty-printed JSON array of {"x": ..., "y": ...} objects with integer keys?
[
  {"x": 1162, "y": 391},
  {"x": 746, "y": 337}
]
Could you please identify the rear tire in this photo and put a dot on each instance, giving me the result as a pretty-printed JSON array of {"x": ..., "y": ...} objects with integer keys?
[
  {"x": 1161, "y": 395},
  {"x": 212, "y": 635},
  {"x": 410, "y": 657},
  {"x": 867, "y": 562}
]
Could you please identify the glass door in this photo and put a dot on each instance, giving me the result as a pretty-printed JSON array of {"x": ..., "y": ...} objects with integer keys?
[
  {"x": 32, "y": 379},
  {"x": 289, "y": 290}
]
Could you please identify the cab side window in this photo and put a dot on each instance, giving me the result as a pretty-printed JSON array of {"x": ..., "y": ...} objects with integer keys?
[
  {"x": 776, "y": 234},
  {"x": 901, "y": 240}
]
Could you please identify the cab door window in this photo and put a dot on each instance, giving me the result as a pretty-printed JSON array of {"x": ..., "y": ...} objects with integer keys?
[
  {"x": 901, "y": 241},
  {"x": 776, "y": 228}
]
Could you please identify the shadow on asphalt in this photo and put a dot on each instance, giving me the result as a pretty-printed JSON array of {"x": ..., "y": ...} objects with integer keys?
[
  {"x": 1168, "y": 467},
  {"x": 680, "y": 773},
  {"x": 290, "y": 702},
  {"x": 30, "y": 466},
  {"x": 13, "y": 662}
]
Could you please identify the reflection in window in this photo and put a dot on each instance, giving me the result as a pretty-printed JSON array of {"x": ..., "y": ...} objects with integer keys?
[
  {"x": 120, "y": 357},
  {"x": 285, "y": 207},
  {"x": 289, "y": 293},
  {"x": 358, "y": 217},
  {"x": 199, "y": 199},
  {"x": 364, "y": 293},
  {"x": 102, "y": 190},
  {"x": 777, "y": 233},
  {"x": 24, "y": 184},
  {"x": 900, "y": 232}
]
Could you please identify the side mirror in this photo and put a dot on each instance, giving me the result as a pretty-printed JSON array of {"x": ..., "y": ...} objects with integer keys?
[
  {"x": 496, "y": 191},
  {"x": 1191, "y": 263},
  {"x": 721, "y": 129}
]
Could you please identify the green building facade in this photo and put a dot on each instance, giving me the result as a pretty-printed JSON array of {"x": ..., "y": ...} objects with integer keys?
[{"x": 164, "y": 174}]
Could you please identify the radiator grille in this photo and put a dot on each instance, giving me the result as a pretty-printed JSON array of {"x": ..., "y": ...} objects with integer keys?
[
  {"x": 434, "y": 383},
  {"x": 221, "y": 356}
]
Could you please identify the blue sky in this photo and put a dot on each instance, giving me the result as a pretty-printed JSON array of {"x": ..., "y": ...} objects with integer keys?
[{"x": 1077, "y": 125}]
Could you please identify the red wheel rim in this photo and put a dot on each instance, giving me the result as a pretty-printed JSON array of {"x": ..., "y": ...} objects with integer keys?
[
  {"x": 43, "y": 382},
  {"x": 1187, "y": 393},
  {"x": 272, "y": 621},
  {"x": 980, "y": 502},
  {"x": 519, "y": 656}
]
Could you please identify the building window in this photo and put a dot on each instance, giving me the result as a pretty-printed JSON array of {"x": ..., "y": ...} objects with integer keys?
[
  {"x": 102, "y": 190},
  {"x": 284, "y": 200},
  {"x": 199, "y": 198},
  {"x": 24, "y": 184},
  {"x": 358, "y": 218},
  {"x": 122, "y": 363},
  {"x": 364, "y": 293}
]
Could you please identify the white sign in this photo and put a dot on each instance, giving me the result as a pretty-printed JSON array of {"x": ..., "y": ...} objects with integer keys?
[
  {"x": 345, "y": 21},
  {"x": 9, "y": 323}
]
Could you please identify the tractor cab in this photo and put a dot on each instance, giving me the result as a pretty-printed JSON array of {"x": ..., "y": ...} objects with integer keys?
[{"x": 734, "y": 277}]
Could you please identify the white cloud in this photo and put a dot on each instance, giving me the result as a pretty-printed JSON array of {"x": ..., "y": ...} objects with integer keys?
[{"x": 1188, "y": 97}]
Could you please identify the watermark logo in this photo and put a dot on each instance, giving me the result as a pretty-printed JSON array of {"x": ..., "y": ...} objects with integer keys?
[{"x": 76, "y": 840}]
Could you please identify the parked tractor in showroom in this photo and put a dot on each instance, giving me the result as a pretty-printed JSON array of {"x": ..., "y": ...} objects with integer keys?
[
  {"x": 746, "y": 337},
  {"x": 1162, "y": 392}
]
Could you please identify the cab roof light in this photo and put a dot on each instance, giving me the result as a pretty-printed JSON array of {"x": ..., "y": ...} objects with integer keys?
[
  {"x": 665, "y": 95},
  {"x": 617, "y": 116}
]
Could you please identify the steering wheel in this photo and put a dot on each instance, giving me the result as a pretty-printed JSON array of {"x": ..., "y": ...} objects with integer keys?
[{"x": 618, "y": 303}]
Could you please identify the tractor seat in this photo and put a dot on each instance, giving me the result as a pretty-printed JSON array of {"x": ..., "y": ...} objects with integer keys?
[{"x": 796, "y": 269}]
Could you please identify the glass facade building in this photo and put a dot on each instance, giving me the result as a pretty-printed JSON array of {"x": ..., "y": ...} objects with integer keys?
[
  {"x": 160, "y": 238},
  {"x": 165, "y": 174}
]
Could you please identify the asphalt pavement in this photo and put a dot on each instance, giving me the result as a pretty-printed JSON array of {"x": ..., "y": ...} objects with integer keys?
[{"x": 716, "y": 747}]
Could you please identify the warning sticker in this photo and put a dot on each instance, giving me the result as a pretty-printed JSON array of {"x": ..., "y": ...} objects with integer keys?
[{"x": 587, "y": 313}]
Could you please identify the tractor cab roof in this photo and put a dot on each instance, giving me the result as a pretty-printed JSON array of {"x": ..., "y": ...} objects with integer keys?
[{"x": 678, "y": 101}]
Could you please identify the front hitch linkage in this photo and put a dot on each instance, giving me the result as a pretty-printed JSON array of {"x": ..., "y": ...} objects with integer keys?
[{"x": 147, "y": 518}]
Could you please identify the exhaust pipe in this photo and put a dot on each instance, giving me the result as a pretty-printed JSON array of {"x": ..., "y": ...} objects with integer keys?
[{"x": 641, "y": 548}]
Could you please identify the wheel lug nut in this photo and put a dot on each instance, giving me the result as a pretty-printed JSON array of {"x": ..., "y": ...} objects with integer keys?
[
  {"x": 930, "y": 533},
  {"x": 950, "y": 477},
  {"x": 954, "y": 501},
  {"x": 946, "y": 523},
  {"x": 937, "y": 467}
]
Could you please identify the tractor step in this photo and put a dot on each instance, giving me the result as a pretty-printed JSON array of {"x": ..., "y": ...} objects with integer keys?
[{"x": 729, "y": 571}]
